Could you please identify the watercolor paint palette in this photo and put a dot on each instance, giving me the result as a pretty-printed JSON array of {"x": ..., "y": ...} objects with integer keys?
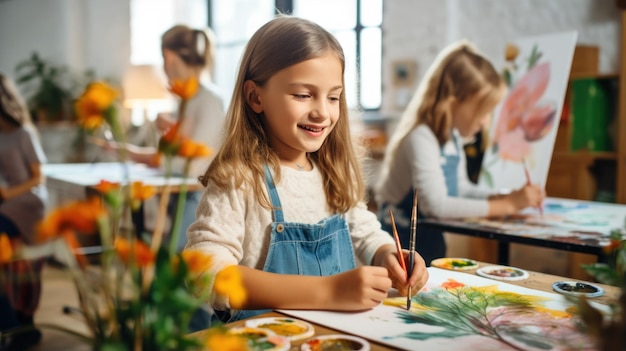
[
  {"x": 574, "y": 288},
  {"x": 263, "y": 339},
  {"x": 291, "y": 328},
  {"x": 454, "y": 263},
  {"x": 502, "y": 273},
  {"x": 335, "y": 342}
]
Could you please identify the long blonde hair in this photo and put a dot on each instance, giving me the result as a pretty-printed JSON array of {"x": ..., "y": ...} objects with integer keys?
[
  {"x": 458, "y": 73},
  {"x": 281, "y": 43},
  {"x": 13, "y": 109},
  {"x": 195, "y": 47}
]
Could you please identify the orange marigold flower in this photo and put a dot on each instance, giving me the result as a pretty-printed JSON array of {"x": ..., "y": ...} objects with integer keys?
[
  {"x": 191, "y": 149},
  {"x": 136, "y": 250},
  {"x": 197, "y": 261},
  {"x": 105, "y": 187},
  {"x": 172, "y": 133},
  {"x": 155, "y": 161},
  {"x": 101, "y": 94},
  {"x": 228, "y": 283},
  {"x": 452, "y": 284},
  {"x": 184, "y": 89},
  {"x": 89, "y": 117},
  {"x": 74, "y": 246},
  {"x": 612, "y": 246},
  {"x": 220, "y": 340},
  {"x": 6, "y": 250},
  {"x": 92, "y": 104},
  {"x": 170, "y": 141},
  {"x": 141, "y": 192},
  {"x": 80, "y": 216}
]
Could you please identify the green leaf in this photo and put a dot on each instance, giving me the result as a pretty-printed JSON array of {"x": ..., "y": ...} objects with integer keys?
[
  {"x": 602, "y": 272},
  {"x": 532, "y": 340},
  {"x": 448, "y": 334},
  {"x": 110, "y": 345},
  {"x": 508, "y": 78},
  {"x": 486, "y": 175},
  {"x": 535, "y": 55}
]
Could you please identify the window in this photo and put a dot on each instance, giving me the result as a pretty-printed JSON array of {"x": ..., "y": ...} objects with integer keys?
[
  {"x": 151, "y": 18},
  {"x": 234, "y": 22},
  {"x": 355, "y": 23}
]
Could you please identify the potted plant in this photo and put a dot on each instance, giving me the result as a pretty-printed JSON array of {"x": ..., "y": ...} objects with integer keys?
[{"x": 43, "y": 86}]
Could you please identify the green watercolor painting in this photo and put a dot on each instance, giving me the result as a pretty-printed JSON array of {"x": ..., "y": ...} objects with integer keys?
[{"x": 521, "y": 322}]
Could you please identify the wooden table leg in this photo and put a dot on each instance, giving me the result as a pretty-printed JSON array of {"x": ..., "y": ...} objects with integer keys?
[{"x": 503, "y": 253}]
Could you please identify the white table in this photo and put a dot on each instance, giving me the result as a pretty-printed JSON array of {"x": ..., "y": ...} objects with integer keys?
[{"x": 75, "y": 181}]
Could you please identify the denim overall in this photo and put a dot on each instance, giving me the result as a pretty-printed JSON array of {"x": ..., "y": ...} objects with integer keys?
[
  {"x": 320, "y": 249},
  {"x": 428, "y": 243}
]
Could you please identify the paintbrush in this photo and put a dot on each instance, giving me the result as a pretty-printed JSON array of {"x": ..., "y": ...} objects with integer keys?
[
  {"x": 412, "y": 246},
  {"x": 398, "y": 245},
  {"x": 528, "y": 180}
]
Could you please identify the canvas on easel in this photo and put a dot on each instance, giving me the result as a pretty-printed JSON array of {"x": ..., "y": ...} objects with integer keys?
[{"x": 525, "y": 123}]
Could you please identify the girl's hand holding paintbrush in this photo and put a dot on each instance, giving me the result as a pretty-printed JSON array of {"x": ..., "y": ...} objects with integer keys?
[
  {"x": 396, "y": 263},
  {"x": 530, "y": 195},
  {"x": 398, "y": 274}
]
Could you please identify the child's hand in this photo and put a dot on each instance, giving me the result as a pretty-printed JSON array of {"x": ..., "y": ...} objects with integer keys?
[
  {"x": 164, "y": 121},
  {"x": 528, "y": 196},
  {"x": 359, "y": 289},
  {"x": 418, "y": 278}
]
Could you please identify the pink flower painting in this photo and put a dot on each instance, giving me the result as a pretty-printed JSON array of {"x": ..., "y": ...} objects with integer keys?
[{"x": 524, "y": 118}]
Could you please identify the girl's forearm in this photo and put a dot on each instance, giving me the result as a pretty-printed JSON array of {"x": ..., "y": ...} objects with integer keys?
[
  {"x": 284, "y": 291},
  {"x": 24, "y": 187},
  {"x": 501, "y": 206}
]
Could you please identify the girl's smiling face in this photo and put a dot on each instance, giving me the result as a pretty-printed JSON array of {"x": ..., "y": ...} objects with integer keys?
[{"x": 300, "y": 106}]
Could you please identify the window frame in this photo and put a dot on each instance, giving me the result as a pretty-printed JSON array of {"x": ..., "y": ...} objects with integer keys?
[{"x": 287, "y": 6}]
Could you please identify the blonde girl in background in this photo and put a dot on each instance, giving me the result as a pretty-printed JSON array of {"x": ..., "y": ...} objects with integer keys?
[
  {"x": 454, "y": 101},
  {"x": 22, "y": 205},
  {"x": 284, "y": 197}
]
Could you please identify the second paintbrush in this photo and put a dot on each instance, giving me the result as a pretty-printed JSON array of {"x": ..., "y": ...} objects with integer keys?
[{"x": 412, "y": 246}]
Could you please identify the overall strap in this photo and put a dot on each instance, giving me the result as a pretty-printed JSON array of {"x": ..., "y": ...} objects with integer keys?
[
  {"x": 274, "y": 199},
  {"x": 457, "y": 144}
]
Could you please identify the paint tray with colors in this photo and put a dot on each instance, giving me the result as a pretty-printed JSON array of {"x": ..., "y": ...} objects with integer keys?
[
  {"x": 454, "y": 263},
  {"x": 502, "y": 273},
  {"x": 291, "y": 328},
  {"x": 262, "y": 339},
  {"x": 335, "y": 342}
]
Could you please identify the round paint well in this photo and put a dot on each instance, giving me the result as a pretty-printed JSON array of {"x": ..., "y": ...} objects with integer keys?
[
  {"x": 454, "y": 263},
  {"x": 263, "y": 339},
  {"x": 335, "y": 342},
  {"x": 502, "y": 273},
  {"x": 291, "y": 328},
  {"x": 575, "y": 288}
]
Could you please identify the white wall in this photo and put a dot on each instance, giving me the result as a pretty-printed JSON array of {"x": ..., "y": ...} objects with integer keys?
[
  {"x": 80, "y": 34},
  {"x": 95, "y": 34},
  {"x": 418, "y": 29}
]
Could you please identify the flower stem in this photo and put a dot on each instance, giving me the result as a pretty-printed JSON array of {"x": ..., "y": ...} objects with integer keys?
[{"x": 182, "y": 197}]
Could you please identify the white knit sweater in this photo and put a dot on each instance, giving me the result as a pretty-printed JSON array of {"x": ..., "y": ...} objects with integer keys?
[
  {"x": 233, "y": 228},
  {"x": 418, "y": 164}
]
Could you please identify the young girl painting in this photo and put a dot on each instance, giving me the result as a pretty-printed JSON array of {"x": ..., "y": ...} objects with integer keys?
[
  {"x": 22, "y": 205},
  {"x": 284, "y": 196},
  {"x": 425, "y": 154}
]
